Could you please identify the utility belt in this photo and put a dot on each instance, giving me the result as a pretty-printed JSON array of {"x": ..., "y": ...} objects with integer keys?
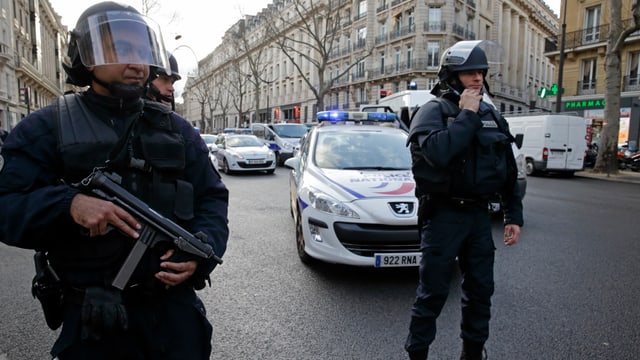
[{"x": 430, "y": 203}]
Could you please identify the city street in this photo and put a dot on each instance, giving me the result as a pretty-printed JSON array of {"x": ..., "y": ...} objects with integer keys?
[{"x": 568, "y": 290}]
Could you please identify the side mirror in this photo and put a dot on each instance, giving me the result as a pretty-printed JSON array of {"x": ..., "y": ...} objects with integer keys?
[
  {"x": 213, "y": 148},
  {"x": 519, "y": 138}
]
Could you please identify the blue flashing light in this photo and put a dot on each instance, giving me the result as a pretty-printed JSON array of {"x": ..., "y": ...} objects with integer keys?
[
  {"x": 343, "y": 116},
  {"x": 381, "y": 116}
]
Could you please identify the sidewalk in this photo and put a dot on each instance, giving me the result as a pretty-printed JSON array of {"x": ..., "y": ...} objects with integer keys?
[{"x": 626, "y": 176}]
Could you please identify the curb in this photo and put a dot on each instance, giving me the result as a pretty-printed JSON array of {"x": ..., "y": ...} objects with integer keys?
[{"x": 622, "y": 176}]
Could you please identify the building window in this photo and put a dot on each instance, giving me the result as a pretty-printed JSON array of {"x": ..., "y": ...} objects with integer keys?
[
  {"x": 409, "y": 57},
  {"x": 632, "y": 74},
  {"x": 398, "y": 59},
  {"x": 433, "y": 54},
  {"x": 592, "y": 24},
  {"x": 362, "y": 37},
  {"x": 360, "y": 69},
  {"x": 410, "y": 21},
  {"x": 435, "y": 19},
  {"x": 382, "y": 62},
  {"x": 362, "y": 8},
  {"x": 588, "y": 83}
]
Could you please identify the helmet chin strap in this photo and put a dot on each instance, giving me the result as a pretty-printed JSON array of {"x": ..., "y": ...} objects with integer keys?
[
  {"x": 121, "y": 90},
  {"x": 155, "y": 93}
]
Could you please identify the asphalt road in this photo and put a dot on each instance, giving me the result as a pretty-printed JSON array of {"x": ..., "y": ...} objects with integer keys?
[{"x": 568, "y": 290}]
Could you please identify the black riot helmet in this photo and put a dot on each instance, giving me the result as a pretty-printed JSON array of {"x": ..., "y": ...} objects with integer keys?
[
  {"x": 467, "y": 56},
  {"x": 153, "y": 93},
  {"x": 174, "y": 73},
  {"x": 112, "y": 33}
]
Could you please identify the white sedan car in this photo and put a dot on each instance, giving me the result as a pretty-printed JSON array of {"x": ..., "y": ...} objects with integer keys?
[
  {"x": 352, "y": 192},
  {"x": 210, "y": 140},
  {"x": 240, "y": 152}
]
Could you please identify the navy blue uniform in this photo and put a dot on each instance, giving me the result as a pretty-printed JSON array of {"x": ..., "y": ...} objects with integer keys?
[
  {"x": 461, "y": 161},
  {"x": 171, "y": 324}
]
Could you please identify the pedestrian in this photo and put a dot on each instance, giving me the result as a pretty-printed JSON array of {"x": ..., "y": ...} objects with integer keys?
[
  {"x": 161, "y": 83},
  {"x": 462, "y": 160},
  {"x": 159, "y": 158}
]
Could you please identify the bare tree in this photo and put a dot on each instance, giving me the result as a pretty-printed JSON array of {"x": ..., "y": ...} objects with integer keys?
[
  {"x": 201, "y": 93},
  {"x": 307, "y": 32},
  {"x": 255, "y": 58},
  {"x": 618, "y": 32}
]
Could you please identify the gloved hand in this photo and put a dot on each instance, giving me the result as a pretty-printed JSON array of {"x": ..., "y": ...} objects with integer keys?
[{"x": 103, "y": 313}]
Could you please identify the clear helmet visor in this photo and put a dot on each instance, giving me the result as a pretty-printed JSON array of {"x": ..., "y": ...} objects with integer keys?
[
  {"x": 460, "y": 52},
  {"x": 121, "y": 37}
]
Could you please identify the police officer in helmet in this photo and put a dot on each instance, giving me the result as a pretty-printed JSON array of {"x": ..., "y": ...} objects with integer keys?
[
  {"x": 159, "y": 158},
  {"x": 462, "y": 160},
  {"x": 161, "y": 83}
]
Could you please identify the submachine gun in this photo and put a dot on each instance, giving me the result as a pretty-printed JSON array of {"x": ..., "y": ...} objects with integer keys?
[{"x": 155, "y": 227}]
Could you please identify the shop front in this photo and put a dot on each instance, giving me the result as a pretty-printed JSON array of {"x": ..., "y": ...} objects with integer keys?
[{"x": 593, "y": 112}]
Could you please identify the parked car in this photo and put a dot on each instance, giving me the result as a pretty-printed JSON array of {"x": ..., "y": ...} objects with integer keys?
[
  {"x": 210, "y": 140},
  {"x": 352, "y": 192},
  {"x": 282, "y": 138},
  {"x": 240, "y": 152}
]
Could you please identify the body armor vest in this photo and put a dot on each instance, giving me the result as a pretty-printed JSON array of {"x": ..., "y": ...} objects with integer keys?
[
  {"x": 487, "y": 167},
  {"x": 151, "y": 162}
]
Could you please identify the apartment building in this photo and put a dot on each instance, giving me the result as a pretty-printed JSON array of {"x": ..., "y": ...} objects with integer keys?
[
  {"x": 31, "y": 41},
  {"x": 587, "y": 27},
  {"x": 386, "y": 46}
]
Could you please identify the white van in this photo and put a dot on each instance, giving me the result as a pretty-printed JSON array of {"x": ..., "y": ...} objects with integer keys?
[
  {"x": 282, "y": 138},
  {"x": 552, "y": 142}
]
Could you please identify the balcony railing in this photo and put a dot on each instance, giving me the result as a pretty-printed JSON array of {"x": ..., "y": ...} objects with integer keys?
[
  {"x": 463, "y": 33},
  {"x": 586, "y": 87},
  {"x": 435, "y": 26},
  {"x": 586, "y": 36},
  {"x": 631, "y": 83},
  {"x": 403, "y": 31}
]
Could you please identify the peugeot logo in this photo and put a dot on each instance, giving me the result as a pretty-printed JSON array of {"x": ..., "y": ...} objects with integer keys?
[{"x": 402, "y": 208}]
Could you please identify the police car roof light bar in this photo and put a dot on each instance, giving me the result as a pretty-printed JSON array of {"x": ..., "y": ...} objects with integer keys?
[{"x": 342, "y": 116}]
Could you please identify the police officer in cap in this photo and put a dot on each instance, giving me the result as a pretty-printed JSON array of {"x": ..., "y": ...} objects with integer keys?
[
  {"x": 462, "y": 159},
  {"x": 161, "y": 83},
  {"x": 160, "y": 159}
]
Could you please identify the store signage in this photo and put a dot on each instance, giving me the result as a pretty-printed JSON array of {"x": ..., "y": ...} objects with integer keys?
[{"x": 584, "y": 104}]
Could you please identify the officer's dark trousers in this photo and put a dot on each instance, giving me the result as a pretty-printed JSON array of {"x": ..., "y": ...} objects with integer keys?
[
  {"x": 454, "y": 232},
  {"x": 172, "y": 327}
]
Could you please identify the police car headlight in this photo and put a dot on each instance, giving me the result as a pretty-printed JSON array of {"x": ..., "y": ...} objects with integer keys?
[
  {"x": 325, "y": 203},
  {"x": 287, "y": 146},
  {"x": 236, "y": 156}
]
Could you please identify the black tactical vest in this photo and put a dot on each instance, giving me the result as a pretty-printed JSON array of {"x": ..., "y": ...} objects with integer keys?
[
  {"x": 151, "y": 163},
  {"x": 487, "y": 166}
]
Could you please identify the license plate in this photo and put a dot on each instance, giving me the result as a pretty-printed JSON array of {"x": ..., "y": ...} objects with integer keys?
[
  {"x": 255, "y": 161},
  {"x": 397, "y": 259}
]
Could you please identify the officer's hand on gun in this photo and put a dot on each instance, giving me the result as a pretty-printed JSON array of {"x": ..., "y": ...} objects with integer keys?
[
  {"x": 176, "y": 272},
  {"x": 99, "y": 216}
]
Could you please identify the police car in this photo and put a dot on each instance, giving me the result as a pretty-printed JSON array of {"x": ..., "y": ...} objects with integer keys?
[{"x": 352, "y": 192}]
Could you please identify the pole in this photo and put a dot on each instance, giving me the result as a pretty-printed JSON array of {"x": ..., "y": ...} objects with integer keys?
[{"x": 561, "y": 62}]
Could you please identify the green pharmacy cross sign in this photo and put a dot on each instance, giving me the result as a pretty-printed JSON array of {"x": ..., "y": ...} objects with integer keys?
[{"x": 543, "y": 92}]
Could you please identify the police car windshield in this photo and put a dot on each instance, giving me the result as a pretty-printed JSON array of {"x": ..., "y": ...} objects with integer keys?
[
  {"x": 362, "y": 150},
  {"x": 290, "y": 130},
  {"x": 243, "y": 141}
]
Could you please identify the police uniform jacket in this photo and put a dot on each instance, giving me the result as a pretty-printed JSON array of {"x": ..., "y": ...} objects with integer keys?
[
  {"x": 36, "y": 191},
  {"x": 448, "y": 148}
]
